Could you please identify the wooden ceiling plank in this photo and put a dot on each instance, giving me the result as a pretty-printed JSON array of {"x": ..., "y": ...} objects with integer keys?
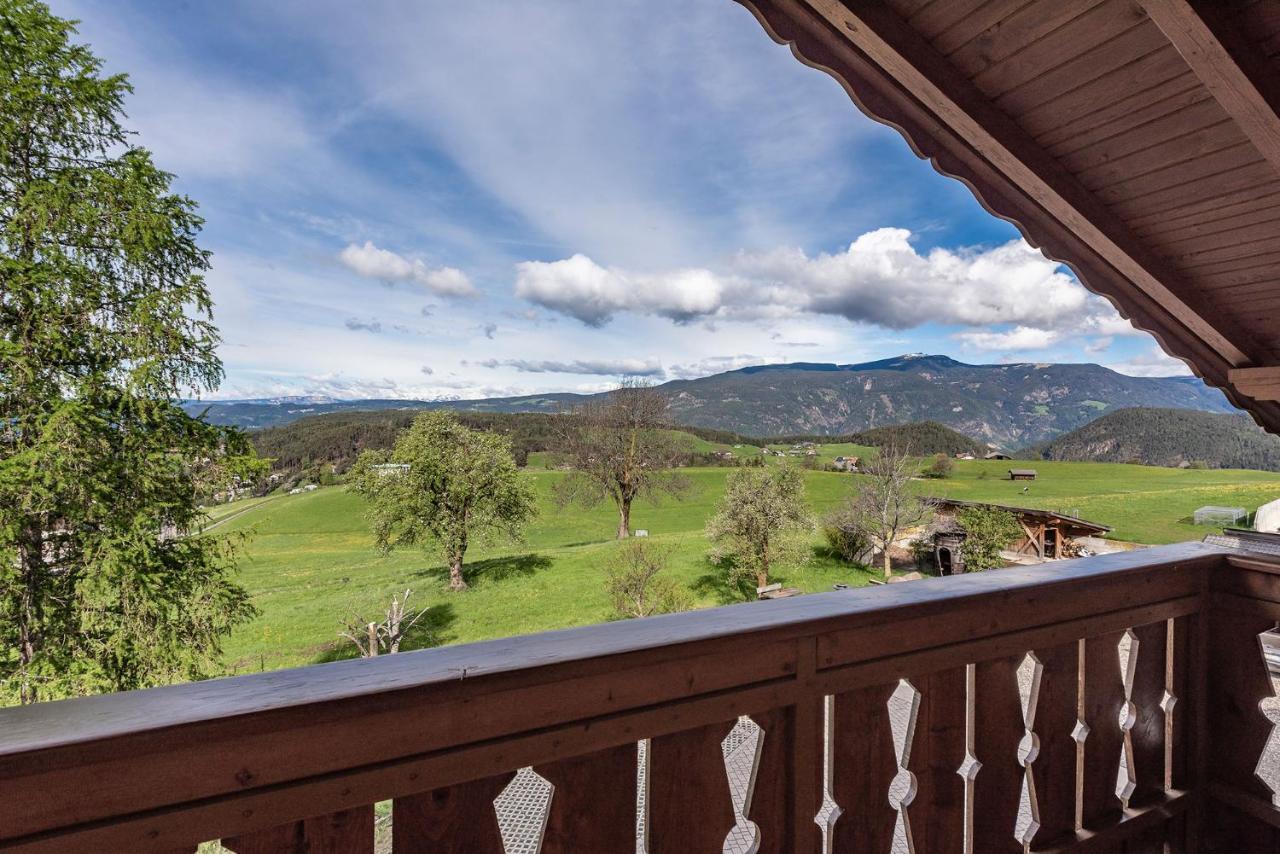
[
  {"x": 1259, "y": 383},
  {"x": 904, "y": 56},
  {"x": 937, "y": 16},
  {"x": 1196, "y": 143},
  {"x": 1252, "y": 217},
  {"x": 1029, "y": 61},
  {"x": 1173, "y": 175},
  {"x": 1257, "y": 268},
  {"x": 1229, "y": 66},
  {"x": 1230, "y": 249},
  {"x": 1113, "y": 95},
  {"x": 1111, "y": 53},
  {"x": 1206, "y": 207},
  {"x": 1175, "y": 197},
  {"x": 1019, "y": 29},
  {"x": 1133, "y": 131},
  {"x": 968, "y": 27}
]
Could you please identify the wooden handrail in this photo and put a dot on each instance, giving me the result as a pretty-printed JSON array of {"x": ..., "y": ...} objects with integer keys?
[{"x": 165, "y": 768}]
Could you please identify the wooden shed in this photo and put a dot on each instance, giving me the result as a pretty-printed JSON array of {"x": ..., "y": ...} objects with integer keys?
[
  {"x": 1046, "y": 534},
  {"x": 1022, "y": 474}
]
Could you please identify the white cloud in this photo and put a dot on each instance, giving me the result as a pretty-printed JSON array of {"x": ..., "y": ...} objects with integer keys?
[
  {"x": 371, "y": 262},
  {"x": 600, "y": 367},
  {"x": 1018, "y": 338},
  {"x": 880, "y": 279},
  {"x": 581, "y": 288}
]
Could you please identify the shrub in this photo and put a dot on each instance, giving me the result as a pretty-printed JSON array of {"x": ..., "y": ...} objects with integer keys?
[
  {"x": 843, "y": 537},
  {"x": 636, "y": 583},
  {"x": 942, "y": 467}
]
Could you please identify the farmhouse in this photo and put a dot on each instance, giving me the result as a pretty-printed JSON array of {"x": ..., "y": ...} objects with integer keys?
[
  {"x": 845, "y": 463},
  {"x": 1022, "y": 474},
  {"x": 997, "y": 455},
  {"x": 1046, "y": 535}
]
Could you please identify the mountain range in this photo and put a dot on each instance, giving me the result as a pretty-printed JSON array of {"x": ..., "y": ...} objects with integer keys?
[{"x": 1009, "y": 405}]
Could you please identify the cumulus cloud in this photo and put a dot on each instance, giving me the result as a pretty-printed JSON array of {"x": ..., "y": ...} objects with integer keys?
[
  {"x": 581, "y": 288},
  {"x": 880, "y": 279},
  {"x": 371, "y": 262},
  {"x": 490, "y": 330},
  {"x": 598, "y": 367}
]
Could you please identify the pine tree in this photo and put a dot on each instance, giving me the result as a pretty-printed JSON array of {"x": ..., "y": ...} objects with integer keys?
[{"x": 105, "y": 323}]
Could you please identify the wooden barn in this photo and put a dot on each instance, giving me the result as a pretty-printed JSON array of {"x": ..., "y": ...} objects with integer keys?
[
  {"x": 1022, "y": 474},
  {"x": 1046, "y": 535}
]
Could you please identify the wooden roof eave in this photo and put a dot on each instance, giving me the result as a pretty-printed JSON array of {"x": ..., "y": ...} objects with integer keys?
[{"x": 896, "y": 78}]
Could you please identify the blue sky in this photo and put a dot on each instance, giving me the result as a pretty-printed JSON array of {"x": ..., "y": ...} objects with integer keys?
[{"x": 462, "y": 200}]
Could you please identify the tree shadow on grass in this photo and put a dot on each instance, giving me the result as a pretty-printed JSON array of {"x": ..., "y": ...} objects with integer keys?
[
  {"x": 718, "y": 584},
  {"x": 431, "y": 630},
  {"x": 492, "y": 569}
]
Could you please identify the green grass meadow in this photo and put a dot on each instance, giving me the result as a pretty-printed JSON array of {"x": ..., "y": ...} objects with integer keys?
[{"x": 310, "y": 560}]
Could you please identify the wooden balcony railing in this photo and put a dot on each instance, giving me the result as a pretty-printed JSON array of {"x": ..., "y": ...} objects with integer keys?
[{"x": 295, "y": 760}]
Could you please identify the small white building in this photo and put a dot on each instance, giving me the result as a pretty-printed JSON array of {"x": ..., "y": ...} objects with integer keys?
[{"x": 1267, "y": 517}]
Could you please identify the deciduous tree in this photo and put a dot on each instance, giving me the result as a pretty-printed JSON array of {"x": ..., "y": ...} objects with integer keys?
[
  {"x": 444, "y": 486},
  {"x": 762, "y": 523},
  {"x": 886, "y": 504},
  {"x": 621, "y": 447},
  {"x": 105, "y": 324}
]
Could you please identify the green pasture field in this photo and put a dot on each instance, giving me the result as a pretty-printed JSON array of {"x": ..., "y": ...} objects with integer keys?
[{"x": 310, "y": 561}]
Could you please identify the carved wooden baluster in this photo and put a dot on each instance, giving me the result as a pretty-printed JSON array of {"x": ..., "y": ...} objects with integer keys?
[
  {"x": 346, "y": 832},
  {"x": 936, "y": 815},
  {"x": 1056, "y": 697},
  {"x": 1238, "y": 682},
  {"x": 1147, "y": 693},
  {"x": 450, "y": 820},
  {"x": 769, "y": 799},
  {"x": 1103, "y": 700},
  {"x": 864, "y": 764},
  {"x": 998, "y": 729},
  {"x": 690, "y": 805},
  {"x": 593, "y": 807},
  {"x": 1182, "y": 666}
]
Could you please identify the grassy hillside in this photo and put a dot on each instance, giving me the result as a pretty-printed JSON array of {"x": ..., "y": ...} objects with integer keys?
[
  {"x": 1170, "y": 437},
  {"x": 311, "y": 560}
]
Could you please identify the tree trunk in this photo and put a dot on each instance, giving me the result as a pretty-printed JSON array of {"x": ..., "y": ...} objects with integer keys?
[
  {"x": 30, "y": 559},
  {"x": 624, "y": 519},
  {"x": 888, "y": 566},
  {"x": 456, "y": 581}
]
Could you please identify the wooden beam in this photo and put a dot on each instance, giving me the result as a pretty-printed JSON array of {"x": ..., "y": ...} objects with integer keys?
[
  {"x": 926, "y": 75},
  {"x": 1237, "y": 76},
  {"x": 1258, "y": 383}
]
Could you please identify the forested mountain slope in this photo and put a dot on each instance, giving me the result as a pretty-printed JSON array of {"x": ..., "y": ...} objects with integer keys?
[{"x": 1170, "y": 437}]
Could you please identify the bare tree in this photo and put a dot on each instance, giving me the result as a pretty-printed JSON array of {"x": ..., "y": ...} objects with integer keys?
[
  {"x": 373, "y": 636},
  {"x": 620, "y": 447},
  {"x": 886, "y": 505}
]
